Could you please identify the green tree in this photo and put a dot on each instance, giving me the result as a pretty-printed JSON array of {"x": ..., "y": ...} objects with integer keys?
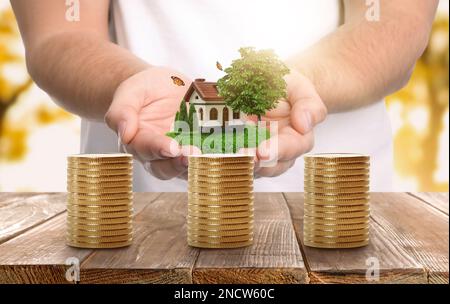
[
  {"x": 254, "y": 83},
  {"x": 183, "y": 112},
  {"x": 192, "y": 117},
  {"x": 175, "y": 123}
]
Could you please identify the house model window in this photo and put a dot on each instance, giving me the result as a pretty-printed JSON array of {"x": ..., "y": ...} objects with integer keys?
[{"x": 210, "y": 107}]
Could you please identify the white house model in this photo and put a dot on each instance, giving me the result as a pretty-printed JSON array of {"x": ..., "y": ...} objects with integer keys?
[{"x": 210, "y": 107}]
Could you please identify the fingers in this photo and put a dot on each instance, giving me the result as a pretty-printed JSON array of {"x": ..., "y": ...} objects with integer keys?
[
  {"x": 166, "y": 169},
  {"x": 153, "y": 146},
  {"x": 307, "y": 114},
  {"x": 123, "y": 119},
  {"x": 287, "y": 145},
  {"x": 276, "y": 170},
  {"x": 308, "y": 109}
]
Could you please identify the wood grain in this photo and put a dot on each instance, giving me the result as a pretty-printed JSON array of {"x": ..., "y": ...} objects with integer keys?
[
  {"x": 159, "y": 253},
  {"x": 418, "y": 228},
  {"x": 39, "y": 255},
  {"x": 349, "y": 265},
  {"x": 274, "y": 257},
  {"x": 439, "y": 200},
  {"x": 22, "y": 211}
]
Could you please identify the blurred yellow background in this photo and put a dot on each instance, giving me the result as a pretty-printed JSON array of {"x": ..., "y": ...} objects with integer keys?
[{"x": 36, "y": 135}]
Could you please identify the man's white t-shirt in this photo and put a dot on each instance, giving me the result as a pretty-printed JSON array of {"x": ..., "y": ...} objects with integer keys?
[{"x": 190, "y": 36}]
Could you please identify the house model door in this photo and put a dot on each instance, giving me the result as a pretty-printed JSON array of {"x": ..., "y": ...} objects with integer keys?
[{"x": 225, "y": 117}]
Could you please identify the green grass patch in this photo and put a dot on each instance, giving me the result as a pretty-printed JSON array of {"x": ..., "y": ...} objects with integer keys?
[{"x": 223, "y": 142}]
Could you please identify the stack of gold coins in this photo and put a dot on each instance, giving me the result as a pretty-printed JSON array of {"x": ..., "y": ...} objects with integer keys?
[
  {"x": 220, "y": 210},
  {"x": 100, "y": 200},
  {"x": 336, "y": 210}
]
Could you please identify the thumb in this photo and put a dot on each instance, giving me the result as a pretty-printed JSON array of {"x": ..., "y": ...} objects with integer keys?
[
  {"x": 123, "y": 118},
  {"x": 307, "y": 114}
]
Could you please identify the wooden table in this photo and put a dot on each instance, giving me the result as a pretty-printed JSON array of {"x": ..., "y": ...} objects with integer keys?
[{"x": 409, "y": 238}]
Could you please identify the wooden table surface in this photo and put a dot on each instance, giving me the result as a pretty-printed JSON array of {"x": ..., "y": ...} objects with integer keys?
[{"x": 409, "y": 239}]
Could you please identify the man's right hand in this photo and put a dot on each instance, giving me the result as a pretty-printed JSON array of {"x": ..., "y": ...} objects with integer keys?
[{"x": 142, "y": 112}]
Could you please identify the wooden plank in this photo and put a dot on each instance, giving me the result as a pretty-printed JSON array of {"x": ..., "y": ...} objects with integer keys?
[
  {"x": 39, "y": 255},
  {"x": 418, "y": 228},
  {"x": 349, "y": 265},
  {"x": 274, "y": 257},
  {"x": 20, "y": 212},
  {"x": 159, "y": 253},
  {"x": 439, "y": 200}
]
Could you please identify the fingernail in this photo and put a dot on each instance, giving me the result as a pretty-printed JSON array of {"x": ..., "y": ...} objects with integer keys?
[
  {"x": 147, "y": 166},
  {"x": 121, "y": 130},
  {"x": 263, "y": 152},
  {"x": 185, "y": 161},
  {"x": 167, "y": 154},
  {"x": 307, "y": 118}
]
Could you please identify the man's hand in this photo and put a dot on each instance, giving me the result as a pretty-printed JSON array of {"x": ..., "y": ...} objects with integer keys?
[
  {"x": 297, "y": 116},
  {"x": 142, "y": 112}
]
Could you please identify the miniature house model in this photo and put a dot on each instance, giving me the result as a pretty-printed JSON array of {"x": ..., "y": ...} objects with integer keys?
[{"x": 211, "y": 109}]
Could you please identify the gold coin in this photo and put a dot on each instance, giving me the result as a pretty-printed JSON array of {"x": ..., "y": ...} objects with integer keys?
[
  {"x": 102, "y": 185},
  {"x": 101, "y": 209},
  {"x": 98, "y": 173},
  {"x": 335, "y": 233},
  {"x": 220, "y": 239},
  {"x": 336, "y": 179},
  {"x": 196, "y": 244},
  {"x": 336, "y": 215},
  {"x": 225, "y": 203},
  {"x": 99, "y": 203},
  {"x": 221, "y": 185},
  {"x": 221, "y": 227},
  {"x": 192, "y": 220},
  {"x": 100, "y": 166},
  {"x": 330, "y": 197},
  {"x": 336, "y": 185},
  {"x": 334, "y": 227},
  {"x": 220, "y": 196},
  {"x": 336, "y": 201},
  {"x": 98, "y": 233},
  {"x": 220, "y": 215},
  {"x": 330, "y": 190},
  {"x": 337, "y": 157},
  {"x": 100, "y": 227},
  {"x": 335, "y": 245},
  {"x": 309, "y": 220},
  {"x": 336, "y": 166},
  {"x": 98, "y": 191},
  {"x": 97, "y": 169},
  {"x": 218, "y": 208},
  {"x": 336, "y": 173},
  {"x": 219, "y": 173},
  {"x": 219, "y": 233},
  {"x": 100, "y": 157},
  {"x": 220, "y": 179},
  {"x": 99, "y": 221},
  {"x": 77, "y": 244},
  {"x": 335, "y": 239},
  {"x": 339, "y": 209},
  {"x": 99, "y": 180},
  {"x": 100, "y": 197},
  {"x": 219, "y": 191},
  {"x": 99, "y": 214},
  {"x": 99, "y": 239}
]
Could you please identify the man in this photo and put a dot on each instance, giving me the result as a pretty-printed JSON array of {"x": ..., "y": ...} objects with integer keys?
[{"x": 344, "y": 58}]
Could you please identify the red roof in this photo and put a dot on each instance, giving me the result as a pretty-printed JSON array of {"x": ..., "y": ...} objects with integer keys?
[{"x": 206, "y": 90}]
